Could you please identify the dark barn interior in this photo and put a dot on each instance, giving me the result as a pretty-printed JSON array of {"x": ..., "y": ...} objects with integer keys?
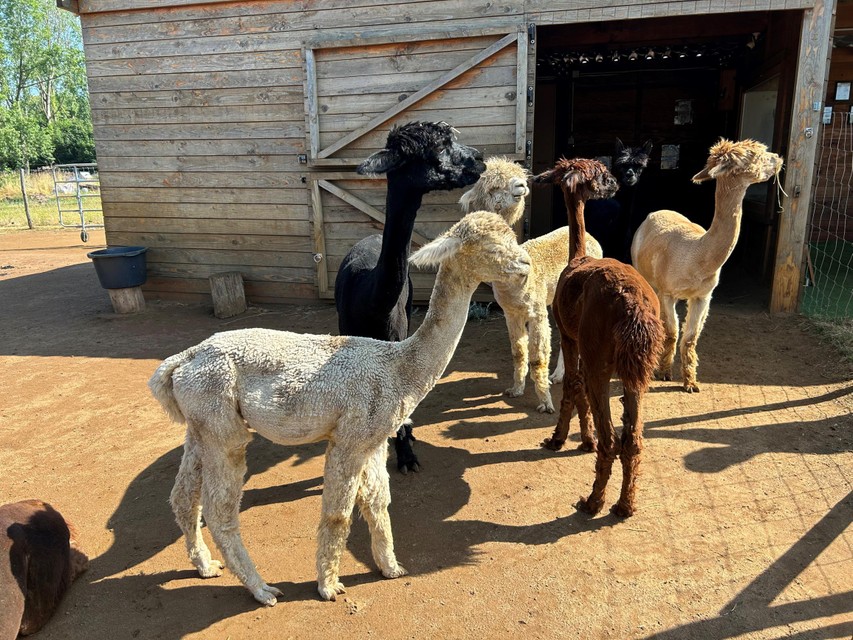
[{"x": 681, "y": 83}]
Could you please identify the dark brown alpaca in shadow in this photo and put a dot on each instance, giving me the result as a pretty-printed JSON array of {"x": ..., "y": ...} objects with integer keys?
[
  {"x": 39, "y": 560},
  {"x": 609, "y": 316}
]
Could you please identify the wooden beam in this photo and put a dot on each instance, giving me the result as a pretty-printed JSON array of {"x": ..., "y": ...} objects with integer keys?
[
  {"x": 319, "y": 240},
  {"x": 419, "y": 95},
  {"x": 809, "y": 90},
  {"x": 364, "y": 207}
]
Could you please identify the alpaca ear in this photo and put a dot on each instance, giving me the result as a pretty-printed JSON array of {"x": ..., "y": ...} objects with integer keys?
[
  {"x": 573, "y": 179},
  {"x": 465, "y": 200},
  {"x": 620, "y": 146},
  {"x": 434, "y": 253},
  {"x": 380, "y": 162},
  {"x": 647, "y": 147},
  {"x": 708, "y": 173},
  {"x": 546, "y": 177}
]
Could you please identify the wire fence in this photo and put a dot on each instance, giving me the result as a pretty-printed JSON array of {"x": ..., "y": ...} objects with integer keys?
[{"x": 829, "y": 260}]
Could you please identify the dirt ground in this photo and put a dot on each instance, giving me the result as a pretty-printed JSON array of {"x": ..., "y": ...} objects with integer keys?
[{"x": 745, "y": 501}]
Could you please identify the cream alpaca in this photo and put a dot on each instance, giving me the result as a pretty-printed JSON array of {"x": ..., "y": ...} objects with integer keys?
[
  {"x": 296, "y": 388},
  {"x": 682, "y": 261},
  {"x": 502, "y": 188}
]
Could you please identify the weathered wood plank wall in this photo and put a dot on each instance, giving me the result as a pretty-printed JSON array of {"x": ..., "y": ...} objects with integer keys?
[{"x": 199, "y": 113}]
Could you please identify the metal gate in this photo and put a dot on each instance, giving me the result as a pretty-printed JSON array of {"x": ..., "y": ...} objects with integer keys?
[{"x": 77, "y": 190}]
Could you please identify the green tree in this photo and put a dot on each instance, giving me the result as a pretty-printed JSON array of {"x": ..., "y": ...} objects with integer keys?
[{"x": 43, "y": 99}]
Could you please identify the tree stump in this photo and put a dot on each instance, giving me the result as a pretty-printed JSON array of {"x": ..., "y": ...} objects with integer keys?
[
  {"x": 229, "y": 297},
  {"x": 129, "y": 300}
]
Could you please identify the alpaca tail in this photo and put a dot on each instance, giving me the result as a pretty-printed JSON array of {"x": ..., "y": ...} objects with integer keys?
[
  {"x": 160, "y": 384},
  {"x": 639, "y": 343}
]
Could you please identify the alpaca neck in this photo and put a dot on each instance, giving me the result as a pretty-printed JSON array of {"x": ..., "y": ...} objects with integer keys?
[
  {"x": 719, "y": 241},
  {"x": 426, "y": 353},
  {"x": 401, "y": 207},
  {"x": 577, "y": 230}
]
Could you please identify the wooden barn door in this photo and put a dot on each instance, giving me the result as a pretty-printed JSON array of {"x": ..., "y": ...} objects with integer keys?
[{"x": 355, "y": 93}]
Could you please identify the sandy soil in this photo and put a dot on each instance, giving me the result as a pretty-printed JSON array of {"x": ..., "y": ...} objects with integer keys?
[{"x": 745, "y": 502}]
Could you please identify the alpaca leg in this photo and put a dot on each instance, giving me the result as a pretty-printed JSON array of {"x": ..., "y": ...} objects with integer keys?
[
  {"x": 697, "y": 313},
  {"x": 516, "y": 324},
  {"x": 373, "y": 498},
  {"x": 223, "y": 470},
  {"x": 670, "y": 323},
  {"x": 540, "y": 352},
  {"x": 573, "y": 396},
  {"x": 630, "y": 452},
  {"x": 597, "y": 387},
  {"x": 186, "y": 505},
  {"x": 559, "y": 370},
  {"x": 341, "y": 479}
]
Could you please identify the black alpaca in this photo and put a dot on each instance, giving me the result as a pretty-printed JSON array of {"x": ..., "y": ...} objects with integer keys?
[
  {"x": 373, "y": 291},
  {"x": 611, "y": 221}
]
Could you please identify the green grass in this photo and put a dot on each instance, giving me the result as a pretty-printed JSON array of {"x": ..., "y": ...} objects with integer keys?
[
  {"x": 831, "y": 293},
  {"x": 44, "y": 213}
]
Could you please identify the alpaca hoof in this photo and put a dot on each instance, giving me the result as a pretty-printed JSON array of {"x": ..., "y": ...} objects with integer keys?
[
  {"x": 621, "y": 510},
  {"x": 331, "y": 592},
  {"x": 590, "y": 506},
  {"x": 267, "y": 595},
  {"x": 396, "y": 572},
  {"x": 588, "y": 447},
  {"x": 514, "y": 392},
  {"x": 691, "y": 387},
  {"x": 663, "y": 375},
  {"x": 545, "y": 408},
  {"x": 552, "y": 444},
  {"x": 212, "y": 569},
  {"x": 555, "y": 379}
]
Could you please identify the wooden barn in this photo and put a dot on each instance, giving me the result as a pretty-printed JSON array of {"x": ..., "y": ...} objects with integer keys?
[{"x": 227, "y": 132}]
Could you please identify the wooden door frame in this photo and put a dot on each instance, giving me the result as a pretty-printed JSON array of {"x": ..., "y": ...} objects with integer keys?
[{"x": 810, "y": 89}]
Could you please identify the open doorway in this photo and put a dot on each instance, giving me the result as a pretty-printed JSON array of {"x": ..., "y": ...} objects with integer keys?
[{"x": 681, "y": 83}]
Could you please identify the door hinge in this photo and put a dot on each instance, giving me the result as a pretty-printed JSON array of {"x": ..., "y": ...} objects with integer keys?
[
  {"x": 530, "y": 92},
  {"x": 528, "y": 154},
  {"x": 531, "y": 33}
]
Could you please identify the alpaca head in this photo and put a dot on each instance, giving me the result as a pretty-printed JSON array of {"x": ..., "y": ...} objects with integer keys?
[
  {"x": 426, "y": 157},
  {"x": 629, "y": 162},
  {"x": 748, "y": 161},
  {"x": 502, "y": 188},
  {"x": 583, "y": 178},
  {"x": 482, "y": 246}
]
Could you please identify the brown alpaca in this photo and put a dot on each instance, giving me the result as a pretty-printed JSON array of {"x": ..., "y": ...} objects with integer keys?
[
  {"x": 39, "y": 560},
  {"x": 608, "y": 316}
]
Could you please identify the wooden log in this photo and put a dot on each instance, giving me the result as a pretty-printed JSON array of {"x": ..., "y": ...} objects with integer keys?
[
  {"x": 129, "y": 300},
  {"x": 229, "y": 296}
]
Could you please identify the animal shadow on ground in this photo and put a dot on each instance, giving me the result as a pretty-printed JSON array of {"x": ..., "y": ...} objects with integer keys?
[{"x": 450, "y": 543}]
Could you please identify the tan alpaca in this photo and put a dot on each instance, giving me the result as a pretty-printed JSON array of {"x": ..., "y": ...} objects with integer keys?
[
  {"x": 297, "y": 388},
  {"x": 682, "y": 261},
  {"x": 502, "y": 188}
]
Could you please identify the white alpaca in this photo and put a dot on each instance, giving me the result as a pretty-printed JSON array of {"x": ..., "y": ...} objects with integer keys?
[
  {"x": 682, "y": 261},
  {"x": 502, "y": 188},
  {"x": 295, "y": 388}
]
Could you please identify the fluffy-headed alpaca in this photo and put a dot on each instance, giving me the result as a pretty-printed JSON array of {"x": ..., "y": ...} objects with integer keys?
[
  {"x": 373, "y": 291},
  {"x": 295, "y": 388},
  {"x": 502, "y": 188},
  {"x": 682, "y": 261},
  {"x": 39, "y": 559},
  {"x": 607, "y": 315},
  {"x": 612, "y": 220}
]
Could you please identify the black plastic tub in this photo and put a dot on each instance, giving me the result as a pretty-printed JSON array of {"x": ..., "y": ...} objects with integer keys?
[{"x": 120, "y": 267}]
